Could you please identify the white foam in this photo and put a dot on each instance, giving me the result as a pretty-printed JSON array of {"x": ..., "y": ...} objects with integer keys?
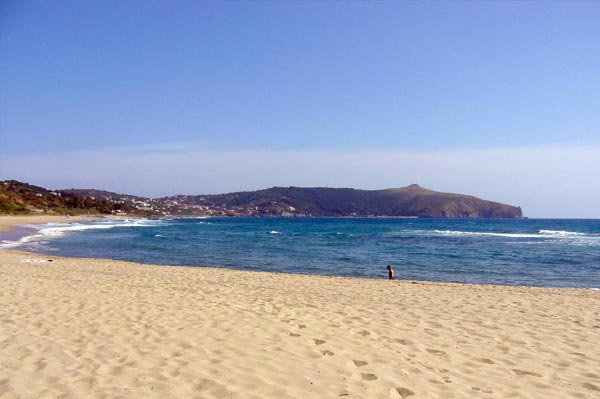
[
  {"x": 561, "y": 233},
  {"x": 52, "y": 230},
  {"x": 6, "y": 244},
  {"x": 474, "y": 233},
  {"x": 274, "y": 232},
  {"x": 540, "y": 234},
  {"x": 62, "y": 228}
]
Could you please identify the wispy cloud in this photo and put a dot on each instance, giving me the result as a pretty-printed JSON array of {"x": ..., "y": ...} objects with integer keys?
[{"x": 547, "y": 181}]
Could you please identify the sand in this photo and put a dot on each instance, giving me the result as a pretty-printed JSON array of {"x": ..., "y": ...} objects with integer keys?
[{"x": 87, "y": 328}]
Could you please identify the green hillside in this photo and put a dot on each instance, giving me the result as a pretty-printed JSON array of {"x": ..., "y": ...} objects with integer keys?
[
  {"x": 19, "y": 198},
  {"x": 411, "y": 201}
]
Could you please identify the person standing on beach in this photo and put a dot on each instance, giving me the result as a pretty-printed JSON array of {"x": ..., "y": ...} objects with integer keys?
[{"x": 390, "y": 272}]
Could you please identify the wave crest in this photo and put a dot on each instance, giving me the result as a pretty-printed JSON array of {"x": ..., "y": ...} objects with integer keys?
[
  {"x": 52, "y": 230},
  {"x": 539, "y": 234},
  {"x": 561, "y": 233},
  {"x": 489, "y": 234}
]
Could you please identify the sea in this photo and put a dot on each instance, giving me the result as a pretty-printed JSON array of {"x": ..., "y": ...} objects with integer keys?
[{"x": 527, "y": 252}]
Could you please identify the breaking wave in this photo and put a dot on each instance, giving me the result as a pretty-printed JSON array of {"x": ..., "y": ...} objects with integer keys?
[
  {"x": 540, "y": 234},
  {"x": 562, "y": 233},
  {"x": 52, "y": 230}
]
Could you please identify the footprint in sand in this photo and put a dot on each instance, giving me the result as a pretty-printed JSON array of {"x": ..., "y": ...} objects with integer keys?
[
  {"x": 356, "y": 363},
  {"x": 184, "y": 345},
  {"x": 291, "y": 334},
  {"x": 37, "y": 366},
  {"x": 327, "y": 352},
  {"x": 437, "y": 352},
  {"x": 367, "y": 376},
  {"x": 589, "y": 386},
  {"x": 523, "y": 372},
  {"x": 318, "y": 341},
  {"x": 364, "y": 333},
  {"x": 301, "y": 325},
  {"x": 402, "y": 392},
  {"x": 485, "y": 360}
]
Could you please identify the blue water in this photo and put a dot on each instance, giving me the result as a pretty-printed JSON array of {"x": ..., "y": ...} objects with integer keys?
[{"x": 532, "y": 252}]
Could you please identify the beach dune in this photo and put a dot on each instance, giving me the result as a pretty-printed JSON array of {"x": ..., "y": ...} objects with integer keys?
[{"x": 75, "y": 328}]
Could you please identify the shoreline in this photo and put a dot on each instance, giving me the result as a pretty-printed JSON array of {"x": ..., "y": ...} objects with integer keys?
[
  {"x": 16, "y": 228},
  {"x": 10, "y": 224},
  {"x": 96, "y": 328},
  {"x": 51, "y": 258}
]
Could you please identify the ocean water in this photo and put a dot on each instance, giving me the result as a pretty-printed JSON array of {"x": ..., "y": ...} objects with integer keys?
[{"x": 531, "y": 252}]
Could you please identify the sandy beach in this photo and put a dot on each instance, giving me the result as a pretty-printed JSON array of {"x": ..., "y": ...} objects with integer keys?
[{"x": 89, "y": 328}]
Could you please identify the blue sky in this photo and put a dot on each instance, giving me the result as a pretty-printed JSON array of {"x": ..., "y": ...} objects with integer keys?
[{"x": 499, "y": 100}]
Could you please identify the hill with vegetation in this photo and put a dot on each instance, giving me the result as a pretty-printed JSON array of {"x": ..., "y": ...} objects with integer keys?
[
  {"x": 17, "y": 198},
  {"x": 411, "y": 201}
]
